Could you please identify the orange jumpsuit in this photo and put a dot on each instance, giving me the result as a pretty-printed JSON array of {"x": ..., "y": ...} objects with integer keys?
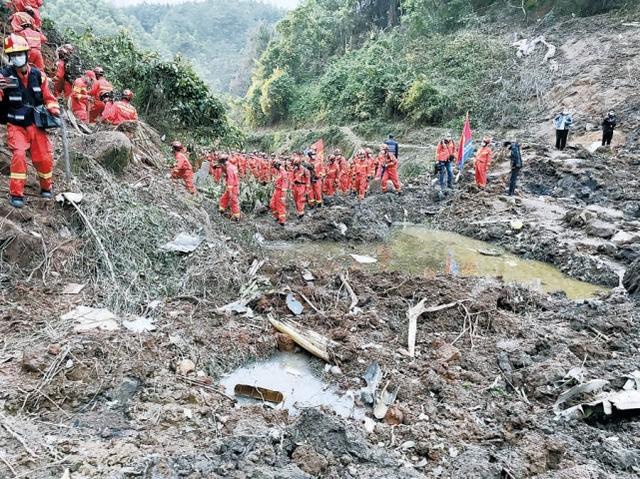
[
  {"x": 331, "y": 180},
  {"x": 278, "y": 204},
  {"x": 119, "y": 112},
  {"x": 230, "y": 199},
  {"x": 389, "y": 169},
  {"x": 100, "y": 86},
  {"x": 35, "y": 39},
  {"x": 317, "y": 181},
  {"x": 300, "y": 179},
  {"x": 361, "y": 170},
  {"x": 184, "y": 170},
  {"x": 344, "y": 175},
  {"x": 481, "y": 163},
  {"x": 80, "y": 100},
  {"x": 22, "y": 5},
  {"x": 60, "y": 84},
  {"x": 21, "y": 139}
]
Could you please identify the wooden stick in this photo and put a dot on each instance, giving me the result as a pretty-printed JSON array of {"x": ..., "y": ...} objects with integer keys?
[
  {"x": 300, "y": 339},
  {"x": 354, "y": 298},
  {"x": 13, "y": 471},
  {"x": 311, "y": 304}
]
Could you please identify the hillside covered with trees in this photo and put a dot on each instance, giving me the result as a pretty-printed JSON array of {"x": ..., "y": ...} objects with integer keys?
[
  {"x": 222, "y": 39},
  {"x": 422, "y": 61}
]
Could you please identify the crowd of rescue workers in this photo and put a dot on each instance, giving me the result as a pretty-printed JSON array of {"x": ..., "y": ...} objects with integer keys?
[{"x": 30, "y": 104}]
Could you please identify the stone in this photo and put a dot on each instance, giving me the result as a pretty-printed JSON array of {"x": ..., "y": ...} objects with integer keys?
[
  {"x": 601, "y": 229},
  {"x": 624, "y": 237},
  {"x": 185, "y": 366},
  {"x": 112, "y": 149},
  {"x": 310, "y": 461},
  {"x": 447, "y": 353},
  {"x": 631, "y": 279},
  {"x": 34, "y": 362},
  {"x": 394, "y": 416}
]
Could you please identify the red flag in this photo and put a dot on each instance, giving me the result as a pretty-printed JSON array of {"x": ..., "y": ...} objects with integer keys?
[
  {"x": 465, "y": 149},
  {"x": 318, "y": 146}
]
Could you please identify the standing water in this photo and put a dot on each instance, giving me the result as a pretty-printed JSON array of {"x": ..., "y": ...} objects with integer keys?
[
  {"x": 295, "y": 377},
  {"x": 425, "y": 252}
]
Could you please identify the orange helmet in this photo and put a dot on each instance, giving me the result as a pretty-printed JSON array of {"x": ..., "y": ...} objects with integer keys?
[
  {"x": 90, "y": 74},
  {"x": 15, "y": 44},
  {"x": 176, "y": 145},
  {"x": 21, "y": 19},
  {"x": 127, "y": 95}
]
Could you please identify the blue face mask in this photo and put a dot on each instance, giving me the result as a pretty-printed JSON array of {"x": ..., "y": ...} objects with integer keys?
[{"x": 19, "y": 60}]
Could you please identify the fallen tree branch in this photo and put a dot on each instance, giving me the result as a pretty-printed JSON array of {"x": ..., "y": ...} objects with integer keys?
[
  {"x": 414, "y": 313},
  {"x": 97, "y": 238},
  {"x": 310, "y": 304},
  {"x": 352, "y": 294}
]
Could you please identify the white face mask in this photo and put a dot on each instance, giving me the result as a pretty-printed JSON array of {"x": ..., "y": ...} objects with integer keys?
[{"x": 19, "y": 61}]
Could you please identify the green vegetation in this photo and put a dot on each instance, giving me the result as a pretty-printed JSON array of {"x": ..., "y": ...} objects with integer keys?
[
  {"x": 346, "y": 61},
  {"x": 169, "y": 93},
  {"x": 222, "y": 39}
]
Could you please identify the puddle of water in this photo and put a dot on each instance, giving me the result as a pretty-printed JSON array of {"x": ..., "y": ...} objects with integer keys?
[
  {"x": 421, "y": 251},
  {"x": 294, "y": 376}
]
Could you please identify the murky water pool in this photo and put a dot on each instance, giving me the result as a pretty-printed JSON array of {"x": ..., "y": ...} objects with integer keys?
[
  {"x": 422, "y": 251},
  {"x": 298, "y": 378}
]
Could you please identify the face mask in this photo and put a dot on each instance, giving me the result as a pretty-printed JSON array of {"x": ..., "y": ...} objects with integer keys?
[{"x": 19, "y": 61}]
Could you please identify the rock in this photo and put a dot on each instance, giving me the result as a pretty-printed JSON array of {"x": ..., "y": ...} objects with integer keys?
[
  {"x": 631, "y": 279},
  {"x": 516, "y": 225},
  {"x": 185, "y": 366},
  {"x": 336, "y": 371},
  {"x": 601, "y": 229},
  {"x": 394, "y": 416},
  {"x": 447, "y": 353},
  {"x": 18, "y": 246},
  {"x": 624, "y": 237},
  {"x": 54, "y": 349},
  {"x": 307, "y": 459},
  {"x": 112, "y": 149},
  {"x": 285, "y": 343}
]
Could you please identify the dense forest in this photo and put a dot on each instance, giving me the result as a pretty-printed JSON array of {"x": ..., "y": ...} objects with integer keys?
[
  {"x": 424, "y": 61},
  {"x": 222, "y": 39}
]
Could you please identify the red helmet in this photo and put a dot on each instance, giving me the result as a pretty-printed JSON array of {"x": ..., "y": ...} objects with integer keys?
[
  {"x": 99, "y": 72},
  {"x": 176, "y": 145},
  {"x": 127, "y": 95},
  {"x": 15, "y": 44},
  {"x": 90, "y": 74}
]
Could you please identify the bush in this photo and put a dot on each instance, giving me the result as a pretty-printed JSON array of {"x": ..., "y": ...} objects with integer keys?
[
  {"x": 425, "y": 104},
  {"x": 169, "y": 93},
  {"x": 275, "y": 96}
]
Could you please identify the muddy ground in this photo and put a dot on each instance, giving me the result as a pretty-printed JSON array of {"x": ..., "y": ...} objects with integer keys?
[{"x": 476, "y": 401}]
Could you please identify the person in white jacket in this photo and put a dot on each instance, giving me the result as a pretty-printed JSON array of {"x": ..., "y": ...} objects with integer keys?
[{"x": 563, "y": 123}]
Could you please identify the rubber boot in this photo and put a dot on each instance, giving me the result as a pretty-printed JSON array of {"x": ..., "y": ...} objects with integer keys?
[
  {"x": 16, "y": 201},
  {"x": 47, "y": 195}
]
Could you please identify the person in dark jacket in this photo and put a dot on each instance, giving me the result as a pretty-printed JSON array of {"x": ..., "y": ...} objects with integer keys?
[
  {"x": 608, "y": 125},
  {"x": 513, "y": 149},
  {"x": 393, "y": 146}
]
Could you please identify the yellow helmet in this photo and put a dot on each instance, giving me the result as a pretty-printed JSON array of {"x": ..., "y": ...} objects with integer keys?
[{"x": 15, "y": 44}]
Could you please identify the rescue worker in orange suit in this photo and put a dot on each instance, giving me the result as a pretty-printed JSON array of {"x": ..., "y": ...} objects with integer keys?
[
  {"x": 62, "y": 82},
  {"x": 482, "y": 161},
  {"x": 331, "y": 180},
  {"x": 215, "y": 168},
  {"x": 361, "y": 169},
  {"x": 119, "y": 111},
  {"x": 301, "y": 181},
  {"x": 230, "y": 198},
  {"x": 22, "y": 24},
  {"x": 101, "y": 86},
  {"x": 183, "y": 168},
  {"x": 278, "y": 204},
  {"x": 344, "y": 175},
  {"x": 80, "y": 96},
  {"x": 317, "y": 180},
  {"x": 445, "y": 157},
  {"x": 23, "y": 87},
  {"x": 388, "y": 169},
  {"x": 32, "y": 7}
]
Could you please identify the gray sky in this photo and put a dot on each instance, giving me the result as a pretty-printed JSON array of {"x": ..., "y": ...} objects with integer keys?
[{"x": 280, "y": 3}]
